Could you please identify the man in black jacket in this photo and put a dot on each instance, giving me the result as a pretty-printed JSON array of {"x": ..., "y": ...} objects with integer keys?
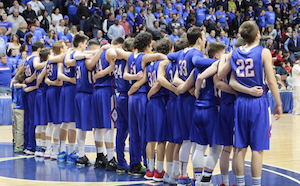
[
  {"x": 235, "y": 24},
  {"x": 96, "y": 22},
  {"x": 174, "y": 24},
  {"x": 84, "y": 15},
  {"x": 293, "y": 45}
]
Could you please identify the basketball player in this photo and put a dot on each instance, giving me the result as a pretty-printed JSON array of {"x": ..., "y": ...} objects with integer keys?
[
  {"x": 249, "y": 63},
  {"x": 165, "y": 75},
  {"x": 122, "y": 86}
]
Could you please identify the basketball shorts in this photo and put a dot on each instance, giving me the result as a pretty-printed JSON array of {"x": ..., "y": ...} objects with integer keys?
[
  {"x": 40, "y": 114},
  {"x": 173, "y": 122},
  {"x": 52, "y": 104},
  {"x": 67, "y": 104},
  {"x": 83, "y": 113},
  {"x": 252, "y": 123},
  {"x": 185, "y": 106}
]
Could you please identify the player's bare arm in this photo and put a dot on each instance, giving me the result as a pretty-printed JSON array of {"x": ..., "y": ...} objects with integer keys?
[
  {"x": 221, "y": 85},
  {"x": 154, "y": 89},
  {"x": 161, "y": 77},
  {"x": 177, "y": 81},
  {"x": 58, "y": 58},
  {"x": 68, "y": 60},
  {"x": 127, "y": 76},
  {"x": 62, "y": 76},
  {"x": 268, "y": 66},
  {"x": 256, "y": 91},
  {"x": 148, "y": 58},
  {"x": 90, "y": 64},
  {"x": 187, "y": 85},
  {"x": 121, "y": 54},
  {"x": 138, "y": 84},
  {"x": 37, "y": 64},
  {"x": 110, "y": 57},
  {"x": 224, "y": 67}
]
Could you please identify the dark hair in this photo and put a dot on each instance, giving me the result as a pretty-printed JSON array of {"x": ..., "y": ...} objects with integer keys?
[
  {"x": 36, "y": 45},
  {"x": 93, "y": 42},
  {"x": 248, "y": 31},
  {"x": 164, "y": 46},
  {"x": 10, "y": 51},
  {"x": 117, "y": 40},
  {"x": 214, "y": 48},
  {"x": 22, "y": 48},
  {"x": 44, "y": 53},
  {"x": 193, "y": 34},
  {"x": 79, "y": 38},
  {"x": 22, "y": 77},
  {"x": 142, "y": 40},
  {"x": 128, "y": 44},
  {"x": 28, "y": 36},
  {"x": 239, "y": 42},
  {"x": 180, "y": 44}
]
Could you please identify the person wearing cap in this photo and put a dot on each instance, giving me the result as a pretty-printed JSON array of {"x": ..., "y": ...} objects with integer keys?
[
  {"x": 116, "y": 30},
  {"x": 296, "y": 86},
  {"x": 125, "y": 24},
  {"x": 67, "y": 22},
  {"x": 95, "y": 23}
]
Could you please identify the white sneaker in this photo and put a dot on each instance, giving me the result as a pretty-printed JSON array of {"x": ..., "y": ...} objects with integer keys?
[
  {"x": 29, "y": 152},
  {"x": 166, "y": 178},
  {"x": 54, "y": 156},
  {"x": 47, "y": 154},
  {"x": 173, "y": 180}
]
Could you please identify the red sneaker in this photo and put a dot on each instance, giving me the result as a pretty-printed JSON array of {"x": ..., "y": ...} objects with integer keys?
[
  {"x": 159, "y": 176},
  {"x": 224, "y": 184},
  {"x": 149, "y": 175}
]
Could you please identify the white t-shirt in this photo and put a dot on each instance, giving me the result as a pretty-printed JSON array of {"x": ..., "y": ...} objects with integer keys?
[{"x": 56, "y": 18}]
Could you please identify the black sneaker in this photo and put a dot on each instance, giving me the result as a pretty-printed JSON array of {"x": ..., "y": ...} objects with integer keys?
[
  {"x": 112, "y": 165},
  {"x": 83, "y": 160},
  {"x": 137, "y": 170},
  {"x": 101, "y": 161}
]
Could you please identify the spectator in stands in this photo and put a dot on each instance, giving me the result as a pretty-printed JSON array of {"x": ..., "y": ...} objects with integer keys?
[
  {"x": 129, "y": 3},
  {"x": 174, "y": 24},
  {"x": 95, "y": 22},
  {"x": 107, "y": 6},
  {"x": 125, "y": 24},
  {"x": 296, "y": 86},
  {"x": 6, "y": 24},
  {"x": 168, "y": 9},
  {"x": 281, "y": 85},
  {"x": 15, "y": 19},
  {"x": 164, "y": 34},
  {"x": 281, "y": 70},
  {"x": 120, "y": 14},
  {"x": 140, "y": 5},
  {"x": 73, "y": 31},
  {"x": 231, "y": 4},
  {"x": 182, "y": 32},
  {"x": 2, "y": 47},
  {"x": 112, "y": 4},
  {"x": 288, "y": 67},
  {"x": 38, "y": 32},
  {"x": 65, "y": 35},
  {"x": 22, "y": 31},
  {"x": 270, "y": 17},
  {"x": 11, "y": 58},
  {"x": 56, "y": 16},
  {"x": 17, "y": 7},
  {"x": 108, "y": 23},
  {"x": 2, "y": 9},
  {"x": 155, "y": 31},
  {"x": 28, "y": 42},
  {"x": 270, "y": 44},
  {"x": 37, "y": 6},
  {"x": 2, "y": 34},
  {"x": 53, "y": 26},
  {"x": 29, "y": 15},
  {"x": 149, "y": 18},
  {"x": 45, "y": 20},
  {"x": 120, "y": 4},
  {"x": 292, "y": 45},
  {"x": 100, "y": 37},
  {"x": 174, "y": 36},
  {"x": 162, "y": 23},
  {"x": 139, "y": 20},
  {"x": 67, "y": 22},
  {"x": 221, "y": 16},
  {"x": 61, "y": 27},
  {"x": 5, "y": 75},
  {"x": 14, "y": 44},
  {"x": 236, "y": 23},
  {"x": 49, "y": 39},
  {"x": 224, "y": 40},
  {"x": 116, "y": 30},
  {"x": 84, "y": 15},
  {"x": 131, "y": 20},
  {"x": 49, "y": 5},
  {"x": 72, "y": 10},
  {"x": 211, "y": 37}
]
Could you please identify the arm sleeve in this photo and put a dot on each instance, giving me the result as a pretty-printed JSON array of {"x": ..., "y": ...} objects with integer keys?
[
  {"x": 172, "y": 56},
  {"x": 201, "y": 62}
]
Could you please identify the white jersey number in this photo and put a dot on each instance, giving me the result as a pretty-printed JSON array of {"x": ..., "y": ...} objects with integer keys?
[{"x": 245, "y": 68}]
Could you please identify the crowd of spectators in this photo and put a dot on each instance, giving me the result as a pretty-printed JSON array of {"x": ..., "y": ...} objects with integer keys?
[{"x": 23, "y": 22}]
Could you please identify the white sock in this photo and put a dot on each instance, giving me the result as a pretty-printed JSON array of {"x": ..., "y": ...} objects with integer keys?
[
  {"x": 81, "y": 150},
  {"x": 176, "y": 165},
  {"x": 150, "y": 164},
  {"x": 48, "y": 145},
  {"x": 198, "y": 176},
  {"x": 81, "y": 142},
  {"x": 71, "y": 147},
  {"x": 169, "y": 168},
  {"x": 256, "y": 181},
  {"x": 160, "y": 166},
  {"x": 38, "y": 142},
  {"x": 43, "y": 143},
  {"x": 63, "y": 146},
  {"x": 110, "y": 154},
  {"x": 240, "y": 180},
  {"x": 225, "y": 179},
  {"x": 183, "y": 169},
  {"x": 55, "y": 147},
  {"x": 100, "y": 149}
]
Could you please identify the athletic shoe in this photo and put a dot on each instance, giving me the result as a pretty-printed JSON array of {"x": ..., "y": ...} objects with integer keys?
[
  {"x": 83, "y": 161},
  {"x": 159, "y": 176},
  {"x": 47, "y": 154},
  {"x": 54, "y": 156},
  {"x": 173, "y": 180},
  {"x": 149, "y": 175},
  {"x": 193, "y": 183},
  {"x": 137, "y": 169},
  {"x": 72, "y": 158},
  {"x": 62, "y": 156},
  {"x": 122, "y": 169},
  {"x": 39, "y": 152},
  {"x": 30, "y": 152},
  {"x": 112, "y": 165},
  {"x": 101, "y": 161},
  {"x": 222, "y": 184},
  {"x": 183, "y": 181},
  {"x": 18, "y": 150},
  {"x": 166, "y": 178}
]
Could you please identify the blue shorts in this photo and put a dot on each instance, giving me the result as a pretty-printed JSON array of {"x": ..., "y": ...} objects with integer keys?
[
  {"x": 83, "y": 113},
  {"x": 225, "y": 129},
  {"x": 40, "y": 114},
  {"x": 52, "y": 104},
  {"x": 185, "y": 106},
  {"x": 172, "y": 122},
  {"x": 122, "y": 109},
  {"x": 67, "y": 104},
  {"x": 252, "y": 123},
  {"x": 156, "y": 123},
  {"x": 204, "y": 122},
  {"x": 104, "y": 108}
]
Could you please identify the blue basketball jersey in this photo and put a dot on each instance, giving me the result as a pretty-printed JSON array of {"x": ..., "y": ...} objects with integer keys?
[
  {"x": 152, "y": 69},
  {"x": 43, "y": 86},
  {"x": 29, "y": 69},
  {"x": 248, "y": 68},
  {"x": 135, "y": 65},
  {"x": 185, "y": 63},
  {"x": 69, "y": 71},
  {"x": 121, "y": 84},
  {"x": 84, "y": 77},
  {"x": 170, "y": 71},
  {"x": 51, "y": 70},
  {"x": 208, "y": 93},
  {"x": 107, "y": 80},
  {"x": 227, "y": 97}
]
